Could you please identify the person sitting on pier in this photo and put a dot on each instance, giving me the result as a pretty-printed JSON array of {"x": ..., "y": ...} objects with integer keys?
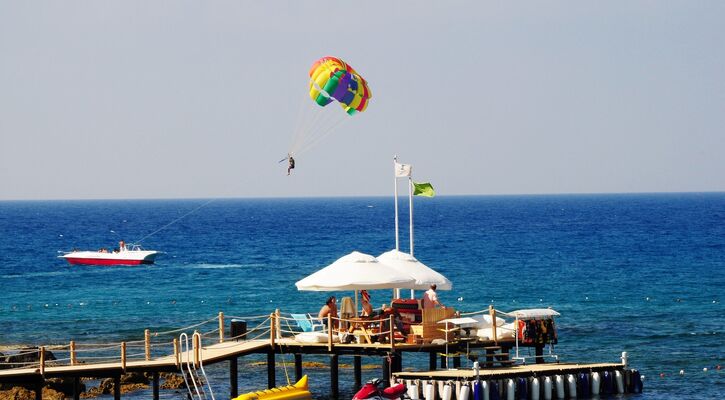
[
  {"x": 367, "y": 308},
  {"x": 386, "y": 313},
  {"x": 330, "y": 308}
]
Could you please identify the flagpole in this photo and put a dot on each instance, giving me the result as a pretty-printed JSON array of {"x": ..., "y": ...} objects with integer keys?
[
  {"x": 397, "y": 239},
  {"x": 395, "y": 181},
  {"x": 410, "y": 207}
]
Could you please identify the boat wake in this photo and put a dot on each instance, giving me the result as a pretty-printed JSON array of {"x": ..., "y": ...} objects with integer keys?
[
  {"x": 33, "y": 274},
  {"x": 225, "y": 266}
]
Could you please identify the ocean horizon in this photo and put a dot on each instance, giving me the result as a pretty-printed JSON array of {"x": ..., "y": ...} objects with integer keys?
[
  {"x": 402, "y": 196},
  {"x": 636, "y": 272}
]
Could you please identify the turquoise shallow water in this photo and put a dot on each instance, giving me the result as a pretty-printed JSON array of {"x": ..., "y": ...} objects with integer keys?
[{"x": 637, "y": 273}]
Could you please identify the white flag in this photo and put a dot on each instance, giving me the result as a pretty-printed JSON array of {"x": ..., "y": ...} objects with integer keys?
[{"x": 403, "y": 170}]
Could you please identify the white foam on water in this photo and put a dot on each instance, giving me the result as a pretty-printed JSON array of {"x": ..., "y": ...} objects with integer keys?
[
  {"x": 33, "y": 274},
  {"x": 225, "y": 266}
]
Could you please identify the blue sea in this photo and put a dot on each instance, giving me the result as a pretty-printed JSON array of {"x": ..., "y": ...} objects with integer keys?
[{"x": 642, "y": 273}]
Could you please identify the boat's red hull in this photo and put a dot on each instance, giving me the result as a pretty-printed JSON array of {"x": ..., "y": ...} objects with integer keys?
[{"x": 101, "y": 261}]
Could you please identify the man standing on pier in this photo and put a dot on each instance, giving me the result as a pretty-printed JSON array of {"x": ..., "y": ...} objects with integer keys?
[{"x": 430, "y": 298}]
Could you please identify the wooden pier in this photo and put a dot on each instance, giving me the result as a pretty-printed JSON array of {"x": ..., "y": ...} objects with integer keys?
[
  {"x": 223, "y": 352},
  {"x": 268, "y": 336}
]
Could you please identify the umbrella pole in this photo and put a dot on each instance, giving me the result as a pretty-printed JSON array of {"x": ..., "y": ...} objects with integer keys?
[{"x": 446, "y": 344}]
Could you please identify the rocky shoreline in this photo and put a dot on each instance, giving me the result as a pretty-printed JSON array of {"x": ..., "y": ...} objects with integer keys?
[{"x": 58, "y": 389}]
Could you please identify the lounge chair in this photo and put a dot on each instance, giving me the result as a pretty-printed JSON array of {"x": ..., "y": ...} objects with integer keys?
[{"x": 307, "y": 324}]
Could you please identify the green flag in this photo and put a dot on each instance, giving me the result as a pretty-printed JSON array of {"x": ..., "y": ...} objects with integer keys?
[{"x": 423, "y": 189}]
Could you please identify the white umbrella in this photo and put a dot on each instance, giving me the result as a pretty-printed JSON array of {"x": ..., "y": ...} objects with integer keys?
[
  {"x": 424, "y": 275},
  {"x": 356, "y": 271}
]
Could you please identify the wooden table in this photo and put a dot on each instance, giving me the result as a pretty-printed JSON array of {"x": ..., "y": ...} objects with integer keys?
[{"x": 361, "y": 327}]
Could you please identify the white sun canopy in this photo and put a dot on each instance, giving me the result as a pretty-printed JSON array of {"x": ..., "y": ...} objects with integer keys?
[
  {"x": 534, "y": 313},
  {"x": 356, "y": 271},
  {"x": 424, "y": 275}
]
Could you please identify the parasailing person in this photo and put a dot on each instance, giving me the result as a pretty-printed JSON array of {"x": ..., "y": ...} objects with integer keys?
[
  {"x": 291, "y": 165},
  {"x": 331, "y": 80}
]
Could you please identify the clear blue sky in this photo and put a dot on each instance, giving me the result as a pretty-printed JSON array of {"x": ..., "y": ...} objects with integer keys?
[{"x": 166, "y": 99}]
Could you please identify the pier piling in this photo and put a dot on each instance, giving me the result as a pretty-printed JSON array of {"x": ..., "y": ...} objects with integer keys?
[
  {"x": 271, "y": 378},
  {"x": 76, "y": 388},
  {"x": 298, "y": 367},
  {"x": 117, "y": 385},
  {"x": 386, "y": 372},
  {"x": 334, "y": 374},
  {"x": 233, "y": 377},
  {"x": 357, "y": 371},
  {"x": 397, "y": 362},
  {"x": 155, "y": 383},
  {"x": 39, "y": 388}
]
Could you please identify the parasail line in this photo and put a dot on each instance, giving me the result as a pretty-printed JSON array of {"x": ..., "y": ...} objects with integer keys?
[{"x": 173, "y": 222}]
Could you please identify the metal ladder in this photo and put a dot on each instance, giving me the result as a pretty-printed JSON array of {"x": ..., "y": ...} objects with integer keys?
[{"x": 189, "y": 371}]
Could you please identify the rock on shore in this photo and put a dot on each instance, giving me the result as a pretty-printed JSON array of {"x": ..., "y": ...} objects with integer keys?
[
  {"x": 21, "y": 393},
  {"x": 58, "y": 389},
  {"x": 25, "y": 356}
]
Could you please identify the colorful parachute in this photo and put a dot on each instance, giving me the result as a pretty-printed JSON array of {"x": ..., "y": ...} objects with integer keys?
[{"x": 331, "y": 78}]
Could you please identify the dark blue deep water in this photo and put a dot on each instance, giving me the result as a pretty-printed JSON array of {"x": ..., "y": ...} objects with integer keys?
[{"x": 637, "y": 273}]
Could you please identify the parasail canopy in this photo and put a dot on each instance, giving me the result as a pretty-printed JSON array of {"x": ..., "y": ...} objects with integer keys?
[
  {"x": 331, "y": 79},
  {"x": 334, "y": 79}
]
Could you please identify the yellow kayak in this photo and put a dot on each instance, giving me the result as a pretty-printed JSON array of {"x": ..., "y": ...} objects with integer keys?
[{"x": 298, "y": 391}]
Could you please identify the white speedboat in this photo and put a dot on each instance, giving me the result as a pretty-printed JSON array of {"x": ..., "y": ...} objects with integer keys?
[{"x": 124, "y": 255}]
